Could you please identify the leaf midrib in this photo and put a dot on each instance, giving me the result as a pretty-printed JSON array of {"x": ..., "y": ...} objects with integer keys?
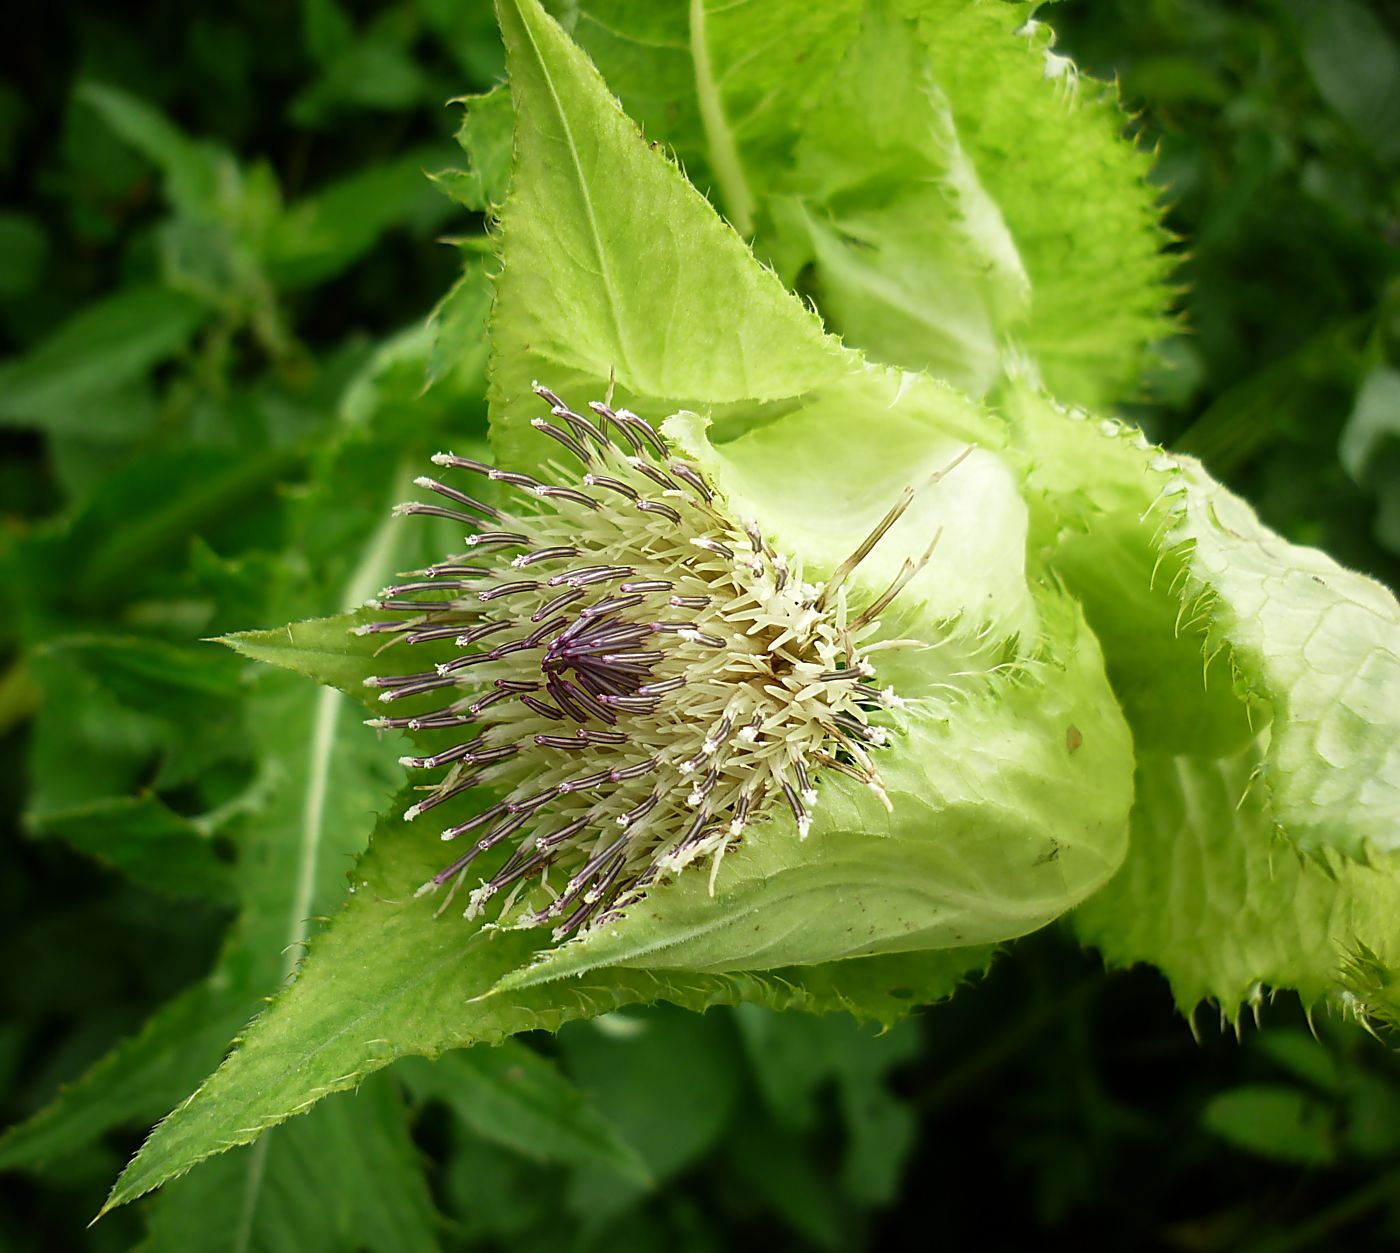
[
  {"x": 719, "y": 135},
  {"x": 358, "y": 588}
]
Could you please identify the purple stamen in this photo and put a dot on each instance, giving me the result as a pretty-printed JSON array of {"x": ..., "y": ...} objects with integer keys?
[
  {"x": 612, "y": 605},
  {"x": 460, "y": 463},
  {"x": 436, "y": 572},
  {"x": 543, "y": 709},
  {"x": 557, "y": 553},
  {"x": 571, "y": 577},
  {"x": 603, "y": 894},
  {"x": 562, "y": 437},
  {"x": 488, "y": 755},
  {"x": 556, "y": 838},
  {"x": 508, "y": 589},
  {"x": 383, "y": 628},
  {"x": 458, "y": 664},
  {"x": 632, "y": 704},
  {"x": 468, "y": 638},
  {"x": 636, "y": 771},
  {"x": 564, "y": 598},
  {"x": 415, "y": 508},
  {"x": 654, "y": 506},
  {"x": 479, "y": 820},
  {"x": 798, "y": 810},
  {"x": 507, "y": 877},
  {"x": 714, "y": 546},
  {"x": 598, "y": 861},
  {"x": 561, "y": 741},
  {"x": 646, "y": 585},
  {"x": 645, "y": 468},
  {"x": 460, "y": 752},
  {"x": 568, "y": 493},
  {"x": 429, "y": 585},
  {"x": 491, "y": 698},
  {"x": 582, "y": 426},
  {"x": 505, "y": 539},
  {"x": 398, "y": 680},
  {"x": 638, "y": 812},
  {"x": 598, "y": 574},
  {"x": 531, "y": 803},
  {"x": 415, "y": 606},
  {"x": 692, "y": 480},
  {"x": 611, "y": 419},
  {"x": 586, "y": 700},
  {"x": 516, "y": 479},
  {"x": 706, "y": 641},
  {"x": 447, "y": 794},
  {"x": 612, "y": 485},
  {"x": 583, "y": 782},
  {"x": 565, "y": 699},
  {"x": 417, "y": 689},
  {"x": 645, "y": 430},
  {"x": 442, "y": 489},
  {"x": 536, "y": 637}
]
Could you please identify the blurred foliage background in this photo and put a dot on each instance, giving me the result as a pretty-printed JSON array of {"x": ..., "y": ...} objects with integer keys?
[{"x": 216, "y": 251}]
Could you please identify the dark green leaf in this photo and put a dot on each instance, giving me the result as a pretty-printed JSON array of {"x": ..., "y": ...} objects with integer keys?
[
  {"x": 346, "y": 1177},
  {"x": 97, "y": 353},
  {"x": 144, "y": 838},
  {"x": 1273, "y": 1121},
  {"x": 510, "y": 1095}
]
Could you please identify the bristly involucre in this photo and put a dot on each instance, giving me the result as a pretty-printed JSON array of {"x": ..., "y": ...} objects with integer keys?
[{"x": 642, "y": 675}]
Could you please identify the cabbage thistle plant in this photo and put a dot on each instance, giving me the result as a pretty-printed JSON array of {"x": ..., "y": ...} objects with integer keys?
[{"x": 811, "y": 626}]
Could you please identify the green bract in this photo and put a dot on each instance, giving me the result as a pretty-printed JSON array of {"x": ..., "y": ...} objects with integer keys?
[{"x": 1105, "y": 662}]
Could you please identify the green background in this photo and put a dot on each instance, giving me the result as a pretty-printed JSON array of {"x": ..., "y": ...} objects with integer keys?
[{"x": 211, "y": 367}]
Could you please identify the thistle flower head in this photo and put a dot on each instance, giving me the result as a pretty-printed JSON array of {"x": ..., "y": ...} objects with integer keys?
[{"x": 643, "y": 676}]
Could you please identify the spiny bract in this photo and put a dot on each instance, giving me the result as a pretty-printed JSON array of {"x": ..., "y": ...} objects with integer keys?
[{"x": 645, "y": 675}]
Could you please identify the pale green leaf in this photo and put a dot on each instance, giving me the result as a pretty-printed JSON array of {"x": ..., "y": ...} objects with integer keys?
[
  {"x": 720, "y": 83},
  {"x": 614, "y": 265},
  {"x": 1048, "y": 147},
  {"x": 1179, "y": 576},
  {"x": 1034, "y": 156},
  {"x": 910, "y": 257},
  {"x": 931, "y": 440},
  {"x": 1094, "y": 489},
  {"x": 386, "y": 979},
  {"x": 485, "y": 136},
  {"x": 458, "y": 326},
  {"x": 1320, "y": 645},
  {"x": 326, "y": 649},
  {"x": 1226, "y": 910}
]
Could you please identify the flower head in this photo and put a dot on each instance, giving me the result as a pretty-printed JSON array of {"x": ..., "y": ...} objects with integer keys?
[{"x": 643, "y": 675}]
